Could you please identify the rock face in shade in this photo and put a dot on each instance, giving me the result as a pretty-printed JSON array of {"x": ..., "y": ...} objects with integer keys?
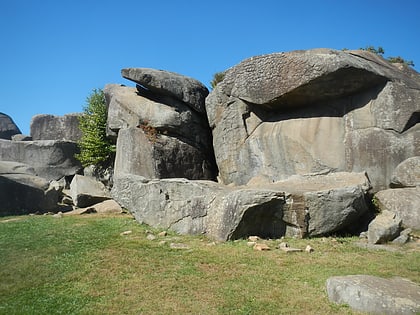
[
  {"x": 50, "y": 159},
  {"x": 375, "y": 295},
  {"x": 22, "y": 192},
  {"x": 160, "y": 82},
  {"x": 159, "y": 136},
  {"x": 302, "y": 112},
  {"x": 50, "y": 127},
  {"x": 7, "y": 127},
  {"x": 85, "y": 191}
]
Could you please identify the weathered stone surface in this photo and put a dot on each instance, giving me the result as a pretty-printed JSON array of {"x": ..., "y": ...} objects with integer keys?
[
  {"x": 385, "y": 227},
  {"x": 298, "y": 207},
  {"x": 186, "y": 89},
  {"x": 22, "y": 192},
  {"x": 201, "y": 207},
  {"x": 51, "y": 127},
  {"x": 322, "y": 204},
  {"x": 143, "y": 151},
  {"x": 407, "y": 173},
  {"x": 85, "y": 191},
  {"x": 50, "y": 159},
  {"x": 302, "y": 112},
  {"x": 375, "y": 295},
  {"x": 131, "y": 107},
  {"x": 405, "y": 202},
  {"x": 21, "y": 137},
  {"x": 7, "y": 127}
]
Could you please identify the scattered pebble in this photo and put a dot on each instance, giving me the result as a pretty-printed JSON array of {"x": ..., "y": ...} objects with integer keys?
[
  {"x": 58, "y": 215},
  {"x": 151, "y": 237},
  {"x": 309, "y": 249},
  {"x": 164, "y": 233},
  {"x": 261, "y": 247},
  {"x": 126, "y": 232},
  {"x": 250, "y": 244},
  {"x": 178, "y": 246},
  {"x": 253, "y": 238}
]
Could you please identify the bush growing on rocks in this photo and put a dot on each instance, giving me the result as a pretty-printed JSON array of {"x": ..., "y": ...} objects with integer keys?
[{"x": 95, "y": 148}]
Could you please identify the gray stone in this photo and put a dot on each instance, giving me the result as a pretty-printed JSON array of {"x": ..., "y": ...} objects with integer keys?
[
  {"x": 131, "y": 107},
  {"x": 50, "y": 127},
  {"x": 8, "y": 127},
  {"x": 385, "y": 227},
  {"x": 349, "y": 112},
  {"x": 22, "y": 192},
  {"x": 375, "y": 295},
  {"x": 405, "y": 202},
  {"x": 143, "y": 151},
  {"x": 407, "y": 173},
  {"x": 105, "y": 207},
  {"x": 86, "y": 191},
  {"x": 312, "y": 205},
  {"x": 50, "y": 159},
  {"x": 186, "y": 89}
]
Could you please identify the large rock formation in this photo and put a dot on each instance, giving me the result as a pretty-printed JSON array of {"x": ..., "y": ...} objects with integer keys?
[
  {"x": 304, "y": 205},
  {"x": 307, "y": 111},
  {"x": 50, "y": 127},
  {"x": 50, "y": 159},
  {"x": 7, "y": 127},
  {"x": 162, "y": 130},
  {"x": 22, "y": 192}
]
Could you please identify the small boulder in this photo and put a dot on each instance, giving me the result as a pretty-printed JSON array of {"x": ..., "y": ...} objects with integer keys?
[
  {"x": 403, "y": 201},
  {"x": 407, "y": 173},
  {"x": 385, "y": 227},
  {"x": 375, "y": 295},
  {"x": 85, "y": 191}
]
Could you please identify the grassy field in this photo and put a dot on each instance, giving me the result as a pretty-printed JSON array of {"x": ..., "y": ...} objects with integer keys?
[{"x": 84, "y": 265}]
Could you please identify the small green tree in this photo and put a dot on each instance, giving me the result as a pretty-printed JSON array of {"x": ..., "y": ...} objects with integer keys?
[
  {"x": 380, "y": 51},
  {"x": 95, "y": 148},
  {"x": 217, "y": 77}
]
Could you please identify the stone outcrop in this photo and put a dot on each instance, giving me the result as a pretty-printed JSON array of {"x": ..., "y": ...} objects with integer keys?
[
  {"x": 8, "y": 127},
  {"x": 159, "y": 135},
  {"x": 404, "y": 202},
  {"x": 22, "y": 192},
  {"x": 50, "y": 159},
  {"x": 300, "y": 112},
  {"x": 308, "y": 205},
  {"x": 375, "y": 295},
  {"x": 50, "y": 127},
  {"x": 407, "y": 173},
  {"x": 186, "y": 89},
  {"x": 86, "y": 191}
]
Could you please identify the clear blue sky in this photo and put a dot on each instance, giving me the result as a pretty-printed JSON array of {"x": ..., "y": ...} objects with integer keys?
[{"x": 54, "y": 53}]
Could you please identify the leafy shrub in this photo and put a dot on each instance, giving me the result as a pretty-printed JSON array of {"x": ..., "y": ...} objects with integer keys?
[
  {"x": 217, "y": 77},
  {"x": 95, "y": 148},
  {"x": 380, "y": 51}
]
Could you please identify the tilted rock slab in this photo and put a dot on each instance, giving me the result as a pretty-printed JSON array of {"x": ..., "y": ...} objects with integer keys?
[
  {"x": 158, "y": 136},
  {"x": 86, "y": 191},
  {"x": 22, "y": 192},
  {"x": 384, "y": 228},
  {"x": 300, "y": 112},
  {"x": 188, "y": 90},
  {"x": 8, "y": 128},
  {"x": 50, "y": 159},
  {"x": 304, "y": 206},
  {"x": 51, "y": 127},
  {"x": 375, "y": 295},
  {"x": 404, "y": 202}
]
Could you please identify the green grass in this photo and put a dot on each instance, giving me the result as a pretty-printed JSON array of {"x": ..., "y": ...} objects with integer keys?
[{"x": 83, "y": 265}]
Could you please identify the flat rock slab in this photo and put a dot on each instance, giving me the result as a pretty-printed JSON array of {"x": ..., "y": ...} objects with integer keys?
[
  {"x": 375, "y": 295},
  {"x": 186, "y": 89}
]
